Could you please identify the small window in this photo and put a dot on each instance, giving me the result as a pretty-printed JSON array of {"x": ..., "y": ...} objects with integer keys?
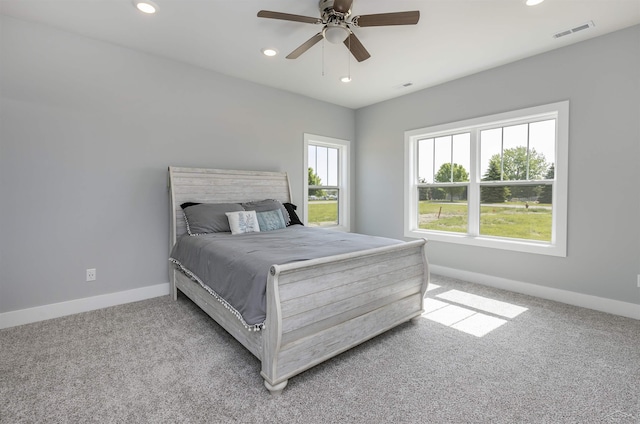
[
  {"x": 326, "y": 185},
  {"x": 497, "y": 181}
]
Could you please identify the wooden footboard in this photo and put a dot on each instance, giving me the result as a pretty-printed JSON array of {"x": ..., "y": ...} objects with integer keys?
[{"x": 319, "y": 308}]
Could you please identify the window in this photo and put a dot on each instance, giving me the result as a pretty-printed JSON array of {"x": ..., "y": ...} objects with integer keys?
[
  {"x": 498, "y": 181},
  {"x": 326, "y": 195}
]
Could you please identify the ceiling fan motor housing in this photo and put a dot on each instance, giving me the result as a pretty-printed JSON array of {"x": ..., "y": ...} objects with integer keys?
[{"x": 331, "y": 10}]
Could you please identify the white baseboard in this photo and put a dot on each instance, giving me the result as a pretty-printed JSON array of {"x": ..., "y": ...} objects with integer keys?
[
  {"x": 55, "y": 310},
  {"x": 615, "y": 307}
]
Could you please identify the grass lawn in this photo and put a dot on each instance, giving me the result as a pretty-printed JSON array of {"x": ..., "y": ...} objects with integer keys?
[
  {"x": 509, "y": 220},
  {"x": 323, "y": 212}
]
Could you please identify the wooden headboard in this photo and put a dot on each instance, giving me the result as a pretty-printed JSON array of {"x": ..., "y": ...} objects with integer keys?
[{"x": 220, "y": 186}]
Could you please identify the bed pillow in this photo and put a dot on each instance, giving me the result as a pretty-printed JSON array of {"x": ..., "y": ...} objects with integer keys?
[
  {"x": 268, "y": 205},
  {"x": 291, "y": 210},
  {"x": 243, "y": 222},
  {"x": 206, "y": 218},
  {"x": 271, "y": 220}
]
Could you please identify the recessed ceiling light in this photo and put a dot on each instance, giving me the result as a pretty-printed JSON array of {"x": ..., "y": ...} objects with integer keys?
[
  {"x": 269, "y": 52},
  {"x": 145, "y": 6},
  {"x": 533, "y": 2},
  {"x": 345, "y": 79}
]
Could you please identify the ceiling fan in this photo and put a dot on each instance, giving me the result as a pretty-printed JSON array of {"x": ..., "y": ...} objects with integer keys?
[{"x": 338, "y": 26}]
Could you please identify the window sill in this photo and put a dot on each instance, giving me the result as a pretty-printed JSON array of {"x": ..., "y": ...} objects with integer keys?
[{"x": 539, "y": 248}]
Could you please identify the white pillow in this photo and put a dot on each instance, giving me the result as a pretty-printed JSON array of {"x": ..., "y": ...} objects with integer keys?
[{"x": 243, "y": 222}]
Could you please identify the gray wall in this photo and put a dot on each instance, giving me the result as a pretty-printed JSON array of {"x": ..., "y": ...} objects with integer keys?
[
  {"x": 88, "y": 130},
  {"x": 601, "y": 79}
]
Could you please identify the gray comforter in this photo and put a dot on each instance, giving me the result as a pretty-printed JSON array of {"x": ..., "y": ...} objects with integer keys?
[{"x": 235, "y": 267}]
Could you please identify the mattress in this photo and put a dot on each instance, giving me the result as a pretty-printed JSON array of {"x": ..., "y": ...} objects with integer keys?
[{"x": 234, "y": 268}]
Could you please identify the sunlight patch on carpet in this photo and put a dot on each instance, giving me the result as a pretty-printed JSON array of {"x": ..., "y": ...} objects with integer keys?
[
  {"x": 470, "y": 321},
  {"x": 486, "y": 304}
]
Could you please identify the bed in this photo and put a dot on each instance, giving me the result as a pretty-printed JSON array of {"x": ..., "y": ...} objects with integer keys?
[{"x": 315, "y": 308}]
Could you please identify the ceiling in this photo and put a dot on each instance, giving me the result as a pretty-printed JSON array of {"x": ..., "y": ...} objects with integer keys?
[{"x": 453, "y": 38}]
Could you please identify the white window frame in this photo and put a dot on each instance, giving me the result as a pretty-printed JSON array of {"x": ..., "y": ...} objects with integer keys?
[
  {"x": 558, "y": 244},
  {"x": 343, "y": 147}
]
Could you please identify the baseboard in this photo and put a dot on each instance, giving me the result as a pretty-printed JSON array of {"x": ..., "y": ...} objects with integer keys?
[
  {"x": 55, "y": 310},
  {"x": 615, "y": 307}
]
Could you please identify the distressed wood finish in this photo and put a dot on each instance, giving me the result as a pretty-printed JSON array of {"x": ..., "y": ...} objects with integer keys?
[{"x": 316, "y": 309}]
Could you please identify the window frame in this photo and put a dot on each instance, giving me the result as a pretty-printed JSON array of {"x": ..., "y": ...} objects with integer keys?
[
  {"x": 343, "y": 147},
  {"x": 558, "y": 244}
]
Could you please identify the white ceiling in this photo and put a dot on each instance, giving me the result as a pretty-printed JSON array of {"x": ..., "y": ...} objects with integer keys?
[{"x": 454, "y": 38}]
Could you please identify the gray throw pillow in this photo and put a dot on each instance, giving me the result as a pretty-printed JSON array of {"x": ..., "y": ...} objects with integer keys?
[{"x": 207, "y": 218}]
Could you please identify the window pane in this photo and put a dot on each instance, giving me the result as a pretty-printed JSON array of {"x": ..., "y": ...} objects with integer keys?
[
  {"x": 436, "y": 210},
  {"x": 321, "y": 164},
  {"x": 461, "y": 157},
  {"x": 491, "y": 154},
  {"x": 332, "y": 167},
  {"x": 442, "y": 159},
  {"x": 425, "y": 160},
  {"x": 514, "y": 152},
  {"x": 323, "y": 208},
  {"x": 516, "y": 211},
  {"x": 313, "y": 166},
  {"x": 542, "y": 148}
]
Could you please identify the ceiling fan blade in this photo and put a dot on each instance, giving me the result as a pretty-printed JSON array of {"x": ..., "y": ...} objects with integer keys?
[
  {"x": 384, "y": 19},
  {"x": 288, "y": 17},
  {"x": 357, "y": 49},
  {"x": 305, "y": 46},
  {"x": 342, "y": 6}
]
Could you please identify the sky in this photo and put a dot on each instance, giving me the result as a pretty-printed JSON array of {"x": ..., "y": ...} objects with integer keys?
[
  {"x": 433, "y": 152},
  {"x": 324, "y": 161}
]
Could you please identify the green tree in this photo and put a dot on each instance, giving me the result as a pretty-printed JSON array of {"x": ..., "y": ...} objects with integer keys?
[
  {"x": 494, "y": 194},
  {"x": 514, "y": 168},
  {"x": 514, "y": 164},
  {"x": 314, "y": 180},
  {"x": 546, "y": 191},
  {"x": 447, "y": 174}
]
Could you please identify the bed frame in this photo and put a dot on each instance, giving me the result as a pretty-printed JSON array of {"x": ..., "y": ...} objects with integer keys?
[{"x": 316, "y": 309}]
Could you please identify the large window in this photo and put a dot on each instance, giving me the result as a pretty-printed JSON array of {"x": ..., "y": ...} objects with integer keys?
[
  {"x": 497, "y": 181},
  {"x": 326, "y": 186}
]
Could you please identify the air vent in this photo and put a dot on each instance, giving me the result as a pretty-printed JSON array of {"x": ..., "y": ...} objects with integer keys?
[{"x": 582, "y": 27}]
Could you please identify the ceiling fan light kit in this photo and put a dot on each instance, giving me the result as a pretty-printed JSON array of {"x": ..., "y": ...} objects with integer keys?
[
  {"x": 338, "y": 25},
  {"x": 335, "y": 34}
]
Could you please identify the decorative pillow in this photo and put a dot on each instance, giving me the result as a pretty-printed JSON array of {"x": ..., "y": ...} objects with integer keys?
[
  {"x": 291, "y": 210},
  {"x": 270, "y": 220},
  {"x": 206, "y": 218},
  {"x": 267, "y": 205},
  {"x": 185, "y": 205},
  {"x": 243, "y": 222}
]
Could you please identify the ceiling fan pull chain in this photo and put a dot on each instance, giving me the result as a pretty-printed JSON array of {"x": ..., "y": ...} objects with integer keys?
[
  {"x": 349, "y": 58},
  {"x": 323, "y": 56}
]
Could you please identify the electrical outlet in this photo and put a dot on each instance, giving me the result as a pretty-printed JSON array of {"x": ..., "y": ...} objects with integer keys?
[
  {"x": 91, "y": 274},
  {"x": 639, "y": 280}
]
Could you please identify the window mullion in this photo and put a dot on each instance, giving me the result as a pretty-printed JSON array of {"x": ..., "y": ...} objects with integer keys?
[{"x": 473, "y": 192}]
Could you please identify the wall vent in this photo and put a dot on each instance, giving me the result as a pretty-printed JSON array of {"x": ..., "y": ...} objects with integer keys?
[{"x": 582, "y": 27}]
